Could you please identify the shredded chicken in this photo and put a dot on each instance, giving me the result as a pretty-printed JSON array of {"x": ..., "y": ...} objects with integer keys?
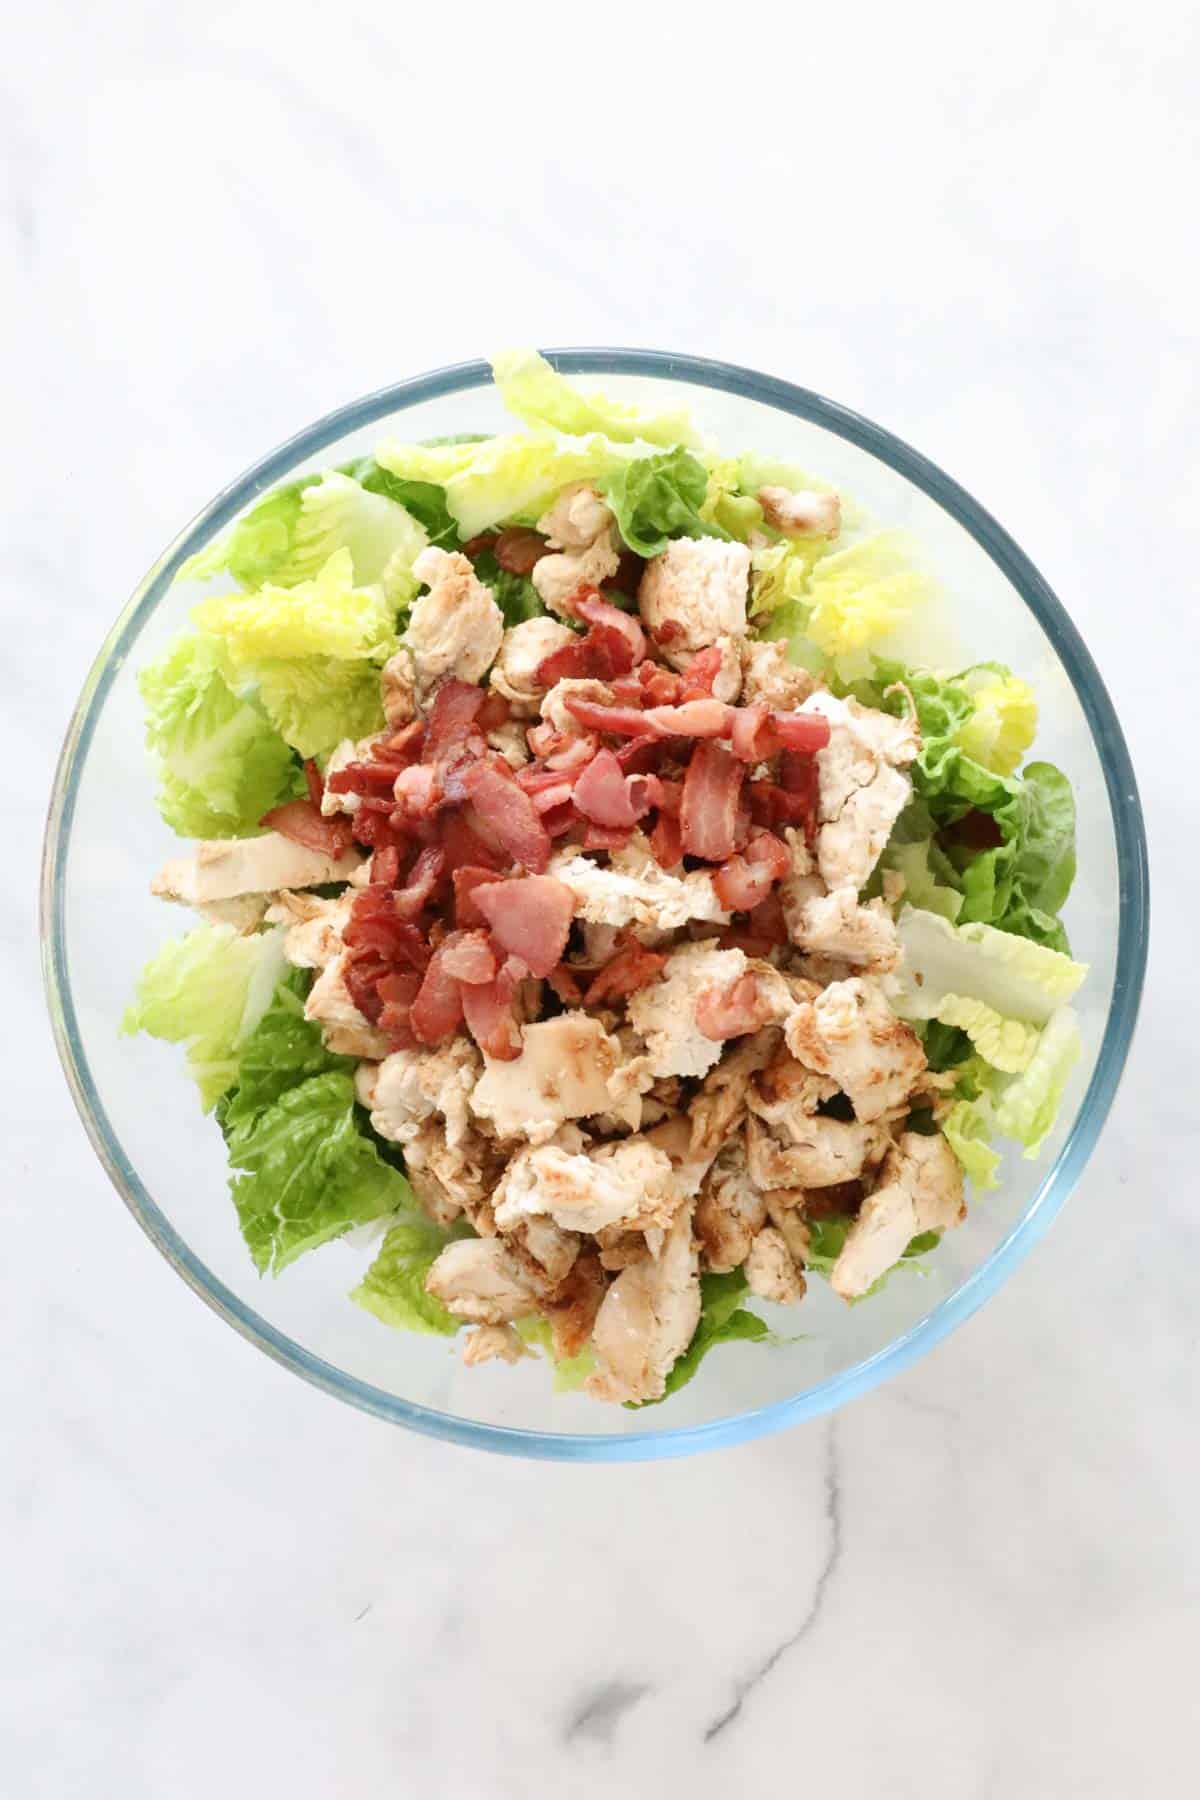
[
  {"x": 862, "y": 791},
  {"x": 492, "y": 1343},
  {"x": 582, "y": 529},
  {"x": 524, "y": 649},
  {"x": 564, "y": 1072},
  {"x": 837, "y": 926},
  {"x": 731, "y": 1210},
  {"x": 315, "y": 927},
  {"x": 226, "y": 868},
  {"x": 482, "y": 1279},
  {"x": 694, "y": 593},
  {"x": 344, "y": 1029},
  {"x": 665, "y": 1012},
  {"x": 647, "y": 1319},
  {"x": 920, "y": 1189},
  {"x": 801, "y": 514},
  {"x": 850, "y": 1033},
  {"x": 635, "y": 891},
  {"x": 630, "y": 1184},
  {"x": 453, "y": 630},
  {"x": 769, "y": 677},
  {"x": 771, "y": 1269}
]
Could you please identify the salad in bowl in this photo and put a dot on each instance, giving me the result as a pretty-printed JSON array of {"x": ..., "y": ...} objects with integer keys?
[{"x": 600, "y": 913}]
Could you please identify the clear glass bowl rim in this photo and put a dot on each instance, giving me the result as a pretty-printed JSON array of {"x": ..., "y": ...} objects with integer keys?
[{"x": 1133, "y": 924}]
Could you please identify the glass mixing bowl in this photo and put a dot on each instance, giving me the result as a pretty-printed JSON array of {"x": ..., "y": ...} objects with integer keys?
[{"x": 104, "y": 840}]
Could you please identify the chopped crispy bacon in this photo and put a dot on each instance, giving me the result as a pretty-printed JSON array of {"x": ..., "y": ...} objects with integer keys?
[
  {"x": 640, "y": 755},
  {"x": 798, "y": 776},
  {"x": 545, "y": 741},
  {"x": 376, "y": 779},
  {"x": 708, "y": 814},
  {"x": 315, "y": 782},
  {"x": 666, "y": 842},
  {"x": 740, "y": 886},
  {"x": 418, "y": 792},
  {"x": 508, "y": 811},
  {"x": 402, "y": 746},
  {"x": 375, "y": 924},
  {"x": 420, "y": 882},
  {"x": 623, "y": 721},
  {"x": 463, "y": 846},
  {"x": 376, "y": 824},
  {"x": 437, "y": 1010},
  {"x": 455, "y": 713},
  {"x": 549, "y": 799},
  {"x": 659, "y": 686},
  {"x": 485, "y": 540},
  {"x": 598, "y": 612},
  {"x": 600, "y": 655},
  {"x": 801, "y": 730},
  {"x": 397, "y": 992},
  {"x": 633, "y": 967},
  {"x": 732, "y": 1011},
  {"x": 517, "y": 549},
  {"x": 754, "y": 738},
  {"x": 364, "y": 970},
  {"x": 607, "y": 796},
  {"x": 303, "y": 823},
  {"x": 494, "y": 712},
  {"x": 627, "y": 690},
  {"x": 768, "y": 921},
  {"x": 701, "y": 672},
  {"x": 530, "y": 917},
  {"x": 466, "y": 880},
  {"x": 766, "y": 850},
  {"x": 560, "y": 819},
  {"x": 606, "y": 837},
  {"x": 469, "y": 957},
  {"x": 489, "y": 1014},
  {"x": 536, "y": 777},
  {"x": 667, "y": 632},
  {"x": 704, "y": 718},
  {"x": 565, "y": 983},
  {"x": 666, "y": 795},
  {"x": 385, "y": 867}
]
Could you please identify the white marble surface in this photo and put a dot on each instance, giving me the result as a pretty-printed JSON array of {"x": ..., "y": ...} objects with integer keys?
[{"x": 973, "y": 225}]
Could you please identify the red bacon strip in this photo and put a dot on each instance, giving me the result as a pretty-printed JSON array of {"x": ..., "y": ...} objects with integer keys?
[
  {"x": 632, "y": 968},
  {"x": 508, "y": 811},
  {"x": 604, "y": 794},
  {"x": 488, "y": 1011},
  {"x": 708, "y": 813},
  {"x": 469, "y": 957},
  {"x": 437, "y": 1010},
  {"x": 466, "y": 880},
  {"x": 530, "y": 917},
  {"x": 303, "y": 823},
  {"x": 420, "y": 882}
]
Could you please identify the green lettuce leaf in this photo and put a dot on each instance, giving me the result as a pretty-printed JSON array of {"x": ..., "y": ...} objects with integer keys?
[
  {"x": 536, "y": 394},
  {"x": 856, "y": 596},
  {"x": 1028, "y": 1106},
  {"x": 1002, "y": 724},
  {"x": 424, "y": 500},
  {"x": 726, "y": 503},
  {"x": 656, "y": 498},
  {"x": 222, "y": 764},
  {"x": 207, "y": 990},
  {"x": 827, "y": 1239},
  {"x": 308, "y": 1172},
  {"x": 258, "y": 544},
  {"x": 570, "y": 1372},
  {"x": 968, "y": 1128},
  {"x": 383, "y": 538},
  {"x": 393, "y": 1288},
  {"x": 511, "y": 477},
  {"x": 997, "y": 987},
  {"x": 282, "y": 1050},
  {"x": 312, "y": 651},
  {"x": 722, "y": 1321}
]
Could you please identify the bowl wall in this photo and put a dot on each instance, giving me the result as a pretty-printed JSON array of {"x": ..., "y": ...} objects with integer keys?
[{"x": 105, "y": 841}]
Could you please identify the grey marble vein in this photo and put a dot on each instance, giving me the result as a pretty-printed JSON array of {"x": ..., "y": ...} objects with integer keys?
[
  {"x": 599, "y": 1715},
  {"x": 833, "y": 1517}
]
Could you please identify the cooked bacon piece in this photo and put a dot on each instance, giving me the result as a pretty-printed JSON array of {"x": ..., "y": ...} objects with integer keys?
[
  {"x": 622, "y": 721},
  {"x": 364, "y": 970},
  {"x": 590, "y": 606},
  {"x": 385, "y": 867},
  {"x": 743, "y": 819},
  {"x": 469, "y": 957},
  {"x": 456, "y": 709},
  {"x": 704, "y": 718},
  {"x": 303, "y": 823},
  {"x": 606, "y": 837},
  {"x": 550, "y": 799},
  {"x": 494, "y": 712},
  {"x": 565, "y": 983},
  {"x": 766, "y": 849},
  {"x": 711, "y": 790},
  {"x": 560, "y": 819},
  {"x": 463, "y": 846},
  {"x": 397, "y": 992},
  {"x": 607, "y": 796},
  {"x": 545, "y": 741},
  {"x": 641, "y": 755},
  {"x": 485, "y": 540},
  {"x": 697, "y": 679},
  {"x": 660, "y": 687},
  {"x": 420, "y": 882},
  {"x": 633, "y": 967},
  {"x": 374, "y": 924},
  {"x": 489, "y": 1015},
  {"x": 666, "y": 795},
  {"x": 376, "y": 823},
  {"x": 798, "y": 776},
  {"x": 734, "y": 1010},
  {"x": 315, "y": 782},
  {"x": 801, "y": 730},
  {"x": 518, "y": 548},
  {"x": 466, "y": 880},
  {"x": 437, "y": 1010},
  {"x": 530, "y": 917},
  {"x": 628, "y": 690},
  {"x": 376, "y": 779},
  {"x": 418, "y": 791},
  {"x": 666, "y": 841},
  {"x": 767, "y": 920},
  {"x": 754, "y": 738},
  {"x": 509, "y": 812}
]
